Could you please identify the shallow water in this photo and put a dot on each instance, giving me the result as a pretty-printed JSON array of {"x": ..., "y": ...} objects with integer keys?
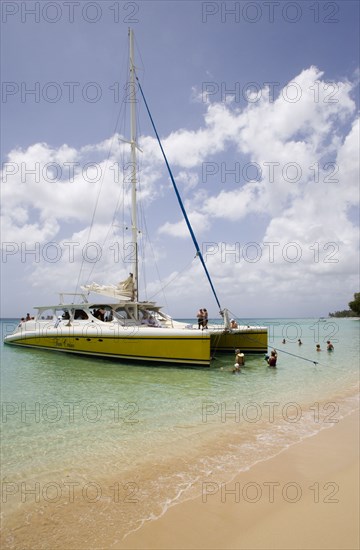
[{"x": 96, "y": 432}]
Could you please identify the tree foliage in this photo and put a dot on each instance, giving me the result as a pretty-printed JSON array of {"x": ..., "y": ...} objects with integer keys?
[
  {"x": 355, "y": 304},
  {"x": 354, "y": 310}
]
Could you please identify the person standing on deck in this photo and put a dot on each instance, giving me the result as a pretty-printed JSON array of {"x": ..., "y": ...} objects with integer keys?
[
  {"x": 200, "y": 318},
  {"x": 205, "y": 318}
]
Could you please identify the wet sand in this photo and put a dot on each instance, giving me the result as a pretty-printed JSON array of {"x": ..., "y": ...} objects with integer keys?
[{"x": 307, "y": 497}]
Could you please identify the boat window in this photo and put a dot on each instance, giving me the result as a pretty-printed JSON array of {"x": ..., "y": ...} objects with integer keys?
[
  {"x": 99, "y": 312},
  {"x": 131, "y": 312},
  {"x": 121, "y": 313},
  {"x": 46, "y": 315},
  {"x": 149, "y": 317},
  {"x": 80, "y": 314},
  {"x": 109, "y": 314},
  {"x": 102, "y": 313}
]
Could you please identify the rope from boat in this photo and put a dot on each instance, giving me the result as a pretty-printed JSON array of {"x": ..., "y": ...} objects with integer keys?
[
  {"x": 216, "y": 343},
  {"x": 257, "y": 341},
  {"x": 297, "y": 356}
]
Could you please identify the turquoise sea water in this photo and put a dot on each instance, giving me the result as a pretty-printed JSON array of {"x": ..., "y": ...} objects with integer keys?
[{"x": 131, "y": 440}]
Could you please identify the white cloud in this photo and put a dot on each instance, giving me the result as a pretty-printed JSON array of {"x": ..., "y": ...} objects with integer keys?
[
  {"x": 297, "y": 194},
  {"x": 199, "y": 222},
  {"x": 189, "y": 180}
]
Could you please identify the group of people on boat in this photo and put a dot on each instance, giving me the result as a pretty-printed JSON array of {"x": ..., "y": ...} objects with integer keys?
[
  {"x": 150, "y": 320},
  {"x": 203, "y": 318},
  {"x": 147, "y": 318},
  {"x": 102, "y": 313},
  {"x": 27, "y": 318}
]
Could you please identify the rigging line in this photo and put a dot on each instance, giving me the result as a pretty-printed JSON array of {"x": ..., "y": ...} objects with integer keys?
[
  {"x": 173, "y": 279},
  {"x": 216, "y": 344},
  {"x": 242, "y": 320},
  {"x": 117, "y": 124},
  {"x": 122, "y": 107},
  {"x": 150, "y": 244},
  {"x": 90, "y": 229},
  {"x": 142, "y": 228},
  {"x": 142, "y": 239},
  {"x": 198, "y": 251},
  {"x": 95, "y": 207},
  {"x": 110, "y": 226}
]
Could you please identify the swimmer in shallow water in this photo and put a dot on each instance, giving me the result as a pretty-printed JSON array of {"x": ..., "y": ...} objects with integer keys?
[
  {"x": 239, "y": 361},
  {"x": 272, "y": 359}
]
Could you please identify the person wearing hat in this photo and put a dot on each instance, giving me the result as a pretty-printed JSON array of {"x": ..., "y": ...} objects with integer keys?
[{"x": 233, "y": 323}]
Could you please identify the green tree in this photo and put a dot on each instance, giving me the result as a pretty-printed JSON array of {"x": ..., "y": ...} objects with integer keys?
[{"x": 355, "y": 304}]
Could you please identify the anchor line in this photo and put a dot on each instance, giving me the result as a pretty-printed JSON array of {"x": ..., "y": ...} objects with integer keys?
[
  {"x": 287, "y": 352},
  {"x": 298, "y": 356}
]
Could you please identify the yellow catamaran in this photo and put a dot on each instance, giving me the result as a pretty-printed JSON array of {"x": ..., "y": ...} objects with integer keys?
[{"x": 124, "y": 327}]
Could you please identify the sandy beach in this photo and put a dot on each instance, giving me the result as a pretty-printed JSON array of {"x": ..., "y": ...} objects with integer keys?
[{"x": 306, "y": 497}]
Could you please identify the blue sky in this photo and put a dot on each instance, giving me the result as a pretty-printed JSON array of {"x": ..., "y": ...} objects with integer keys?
[{"x": 257, "y": 106}]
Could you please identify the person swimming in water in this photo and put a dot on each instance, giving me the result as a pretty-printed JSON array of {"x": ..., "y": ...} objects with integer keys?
[
  {"x": 272, "y": 359},
  {"x": 239, "y": 361}
]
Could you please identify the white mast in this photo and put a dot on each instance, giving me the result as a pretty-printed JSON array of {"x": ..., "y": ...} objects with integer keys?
[{"x": 132, "y": 99}]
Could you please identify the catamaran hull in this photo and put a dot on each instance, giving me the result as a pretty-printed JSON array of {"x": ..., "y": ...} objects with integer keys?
[
  {"x": 247, "y": 340},
  {"x": 182, "y": 349},
  {"x": 181, "y": 344}
]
